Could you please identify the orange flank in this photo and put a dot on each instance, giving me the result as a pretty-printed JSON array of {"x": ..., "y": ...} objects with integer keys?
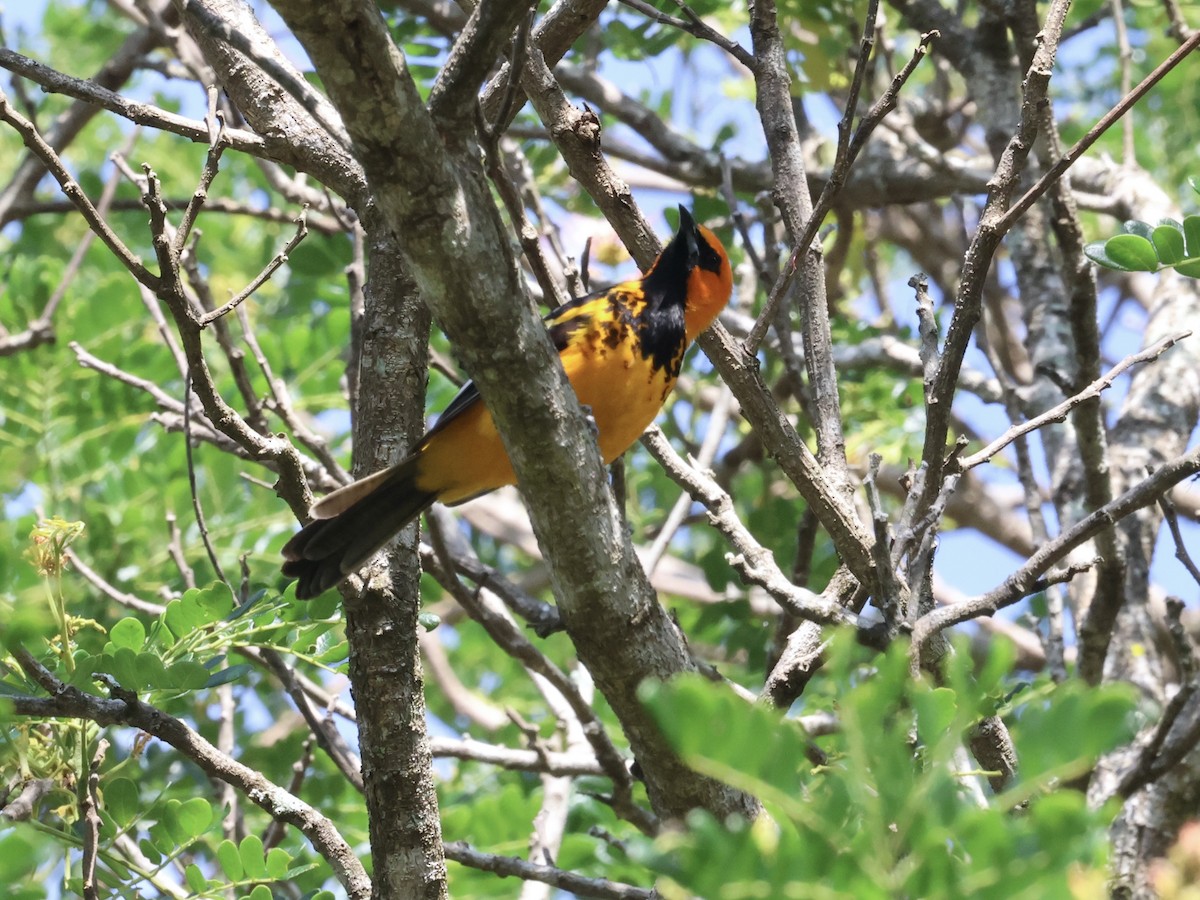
[{"x": 621, "y": 348}]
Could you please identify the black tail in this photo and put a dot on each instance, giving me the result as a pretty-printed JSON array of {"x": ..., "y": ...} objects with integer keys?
[{"x": 351, "y": 524}]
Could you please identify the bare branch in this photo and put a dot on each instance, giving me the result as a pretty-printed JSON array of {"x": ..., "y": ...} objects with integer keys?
[
  {"x": 559, "y": 764},
  {"x": 1059, "y": 413},
  {"x": 510, "y": 866},
  {"x": 70, "y": 187},
  {"x": 752, "y": 560},
  {"x": 1024, "y": 580},
  {"x": 277, "y": 261},
  {"x": 89, "y": 814}
]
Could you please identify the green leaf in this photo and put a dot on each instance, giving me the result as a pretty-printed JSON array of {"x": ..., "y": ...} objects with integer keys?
[
  {"x": 228, "y": 674},
  {"x": 86, "y": 665},
  {"x": 1138, "y": 228},
  {"x": 1096, "y": 253},
  {"x": 260, "y": 892},
  {"x": 251, "y": 852},
  {"x": 336, "y": 653},
  {"x": 181, "y": 618},
  {"x": 1132, "y": 253},
  {"x": 1097, "y": 719},
  {"x": 195, "y": 815},
  {"x": 195, "y": 879},
  {"x": 151, "y": 671},
  {"x": 128, "y": 632},
  {"x": 121, "y": 799},
  {"x": 168, "y": 815},
  {"x": 1191, "y": 235},
  {"x": 230, "y": 860},
  {"x": 19, "y": 855},
  {"x": 213, "y": 603},
  {"x": 1190, "y": 269},
  {"x": 125, "y": 669},
  {"x": 187, "y": 675},
  {"x": 759, "y": 743},
  {"x": 278, "y": 861},
  {"x": 936, "y": 710},
  {"x": 1168, "y": 244},
  {"x": 321, "y": 607}
]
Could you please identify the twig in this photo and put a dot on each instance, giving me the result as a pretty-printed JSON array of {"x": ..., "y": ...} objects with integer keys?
[
  {"x": 41, "y": 330},
  {"x": 519, "y": 760},
  {"x": 1059, "y": 412},
  {"x": 190, "y": 261},
  {"x": 847, "y": 153},
  {"x": 920, "y": 563},
  {"x": 506, "y": 866},
  {"x": 326, "y": 733},
  {"x": 1125, "y": 55},
  {"x": 887, "y": 597},
  {"x": 281, "y": 404},
  {"x": 1093, "y": 134},
  {"x": 317, "y": 693},
  {"x": 753, "y": 561},
  {"x": 717, "y": 421},
  {"x": 22, "y": 807},
  {"x": 1153, "y": 761},
  {"x": 552, "y": 291},
  {"x": 227, "y": 796},
  {"x": 695, "y": 26},
  {"x": 259, "y": 280},
  {"x": 113, "y": 593},
  {"x": 191, "y": 468},
  {"x": 481, "y": 712},
  {"x": 1168, "y": 510},
  {"x": 89, "y": 813},
  {"x": 70, "y": 187},
  {"x": 1179, "y": 27},
  {"x": 512, "y": 85},
  {"x": 550, "y": 821},
  {"x": 139, "y": 113},
  {"x": 175, "y": 549},
  {"x": 38, "y": 206},
  {"x": 542, "y": 617},
  {"x": 356, "y": 279},
  {"x": 502, "y": 630},
  {"x": 1021, "y": 582},
  {"x": 927, "y": 328},
  {"x": 996, "y": 219},
  {"x": 275, "y": 830}
]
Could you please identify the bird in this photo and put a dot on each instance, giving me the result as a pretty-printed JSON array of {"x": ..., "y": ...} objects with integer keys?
[{"x": 621, "y": 348}]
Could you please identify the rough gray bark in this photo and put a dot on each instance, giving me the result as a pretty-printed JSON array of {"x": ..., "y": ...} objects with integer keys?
[
  {"x": 452, "y": 238},
  {"x": 381, "y": 621}
]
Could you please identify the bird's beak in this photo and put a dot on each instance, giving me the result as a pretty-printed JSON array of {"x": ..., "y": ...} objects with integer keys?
[{"x": 688, "y": 234}]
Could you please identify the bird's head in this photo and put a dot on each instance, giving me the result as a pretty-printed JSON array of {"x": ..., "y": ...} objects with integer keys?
[{"x": 695, "y": 261}]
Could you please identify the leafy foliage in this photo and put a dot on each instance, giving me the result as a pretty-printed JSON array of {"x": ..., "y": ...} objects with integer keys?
[
  {"x": 890, "y": 813},
  {"x": 1142, "y": 247}
]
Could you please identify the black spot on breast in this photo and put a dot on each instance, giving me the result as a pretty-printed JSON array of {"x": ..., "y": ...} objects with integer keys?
[{"x": 662, "y": 335}]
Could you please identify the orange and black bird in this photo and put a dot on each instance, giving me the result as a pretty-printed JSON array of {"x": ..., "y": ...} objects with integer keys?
[{"x": 621, "y": 348}]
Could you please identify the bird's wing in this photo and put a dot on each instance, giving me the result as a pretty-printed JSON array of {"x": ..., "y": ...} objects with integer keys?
[{"x": 561, "y": 323}]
